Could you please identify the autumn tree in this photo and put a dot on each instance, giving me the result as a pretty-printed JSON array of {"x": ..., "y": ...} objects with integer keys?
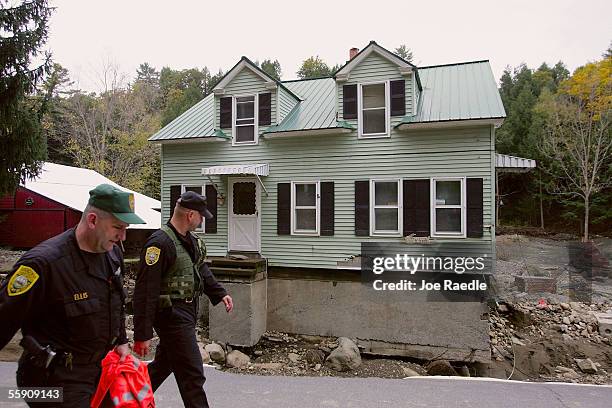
[
  {"x": 578, "y": 139},
  {"x": 23, "y": 33}
]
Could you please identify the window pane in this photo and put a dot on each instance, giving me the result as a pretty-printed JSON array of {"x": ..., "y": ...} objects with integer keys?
[
  {"x": 244, "y": 199},
  {"x": 245, "y": 133},
  {"x": 448, "y": 192},
  {"x": 245, "y": 110},
  {"x": 385, "y": 193},
  {"x": 194, "y": 189},
  {"x": 373, "y": 96},
  {"x": 305, "y": 194},
  {"x": 385, "y": 219},
  {"x": 306, "y": 220},
  {"x": 374, "y": 121},
  {"x": 448, "y": 220},
  {"x": 245, "y": 99}
]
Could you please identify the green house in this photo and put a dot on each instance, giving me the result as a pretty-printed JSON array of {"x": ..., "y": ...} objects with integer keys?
[{"x": 304, "y": 172}]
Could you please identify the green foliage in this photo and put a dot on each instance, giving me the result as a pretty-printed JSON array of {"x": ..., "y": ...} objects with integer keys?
[
  {"x": 23, "y": 31},
  {"x": 404, "y": 52},
  {"x": 314, "y": 67},
  {"x": 271, "y": 68}
]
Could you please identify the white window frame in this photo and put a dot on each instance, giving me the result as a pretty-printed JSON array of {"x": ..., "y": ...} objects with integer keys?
[
  {"x": 435, "y": 206},
  {"x": 386, "y": 133},
  {"x": 184, "y": 188},
  {"x": 255, "y": 120},
  {"x": 373, "y": 207},
  {"x": 317, "y": 207}
]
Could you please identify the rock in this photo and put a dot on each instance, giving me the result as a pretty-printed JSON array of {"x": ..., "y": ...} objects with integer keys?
[
  {"x": 317, "y": 367},
  {"x": 268, "y": 366},
  {"x": 258, "y": 352},
  {"x": 409, "y": 372},
  {"x": 237, "y": 359},
  {"x": 567, "y": 321},
  {"x": 345, "y": 357},
  {"x": 502, "y": 308},
  {"x": 205, "y": 356},
  {"x": 441, "y": 367},
  {"x": 216, "y": 352},
  {"x": 294, "y": 358},
  {"x": 563, "y": 328},
  {"x": 565, "y": 306},
  {"x": 586, "y": 365},
  {"x": 314, "y": 357},
  {"x": 464, "y": 371}
]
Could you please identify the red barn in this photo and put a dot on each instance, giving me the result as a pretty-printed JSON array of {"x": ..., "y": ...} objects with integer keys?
[{"x": 52, "y": 203}]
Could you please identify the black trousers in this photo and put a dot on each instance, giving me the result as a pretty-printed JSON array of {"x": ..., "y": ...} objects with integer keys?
[
  {"x": 79, "y": 383},
  {"x": 178, "y": 353}
]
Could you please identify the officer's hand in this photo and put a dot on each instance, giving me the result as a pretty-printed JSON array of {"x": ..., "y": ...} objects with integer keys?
[
  {"x": 141, "y": 348},
  {"x": 123, "y": 350},
  {"x": 228, "y": 302}
]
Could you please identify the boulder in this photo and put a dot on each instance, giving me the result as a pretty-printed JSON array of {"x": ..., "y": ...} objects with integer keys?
[
  {"x": 314, "y": 357},
  {"x": 237, "y": 359},
  {"x": 216, "y": 352},
  {"x": 345, "y": 357},
  {"x": 441, "y": 367}
]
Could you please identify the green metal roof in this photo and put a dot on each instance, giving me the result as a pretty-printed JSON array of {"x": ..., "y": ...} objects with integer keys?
[
  {"x": 457, "y": 92},
  {"x": 450, "y": 92},
  {"x": 317, "y": 109},
  {"x": 196, "y": 122}
]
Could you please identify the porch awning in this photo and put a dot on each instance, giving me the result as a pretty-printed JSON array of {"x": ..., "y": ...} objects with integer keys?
[
  {"x": 262, "y": 169},
  {"x": 512, "y": 164}
]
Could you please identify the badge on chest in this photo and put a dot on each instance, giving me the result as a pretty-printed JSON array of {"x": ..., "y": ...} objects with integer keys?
[{"x": 80, "y": 296}]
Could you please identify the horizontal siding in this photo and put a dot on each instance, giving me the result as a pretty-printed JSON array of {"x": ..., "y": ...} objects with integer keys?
[
  {"x": 245, "y": 83},
  {"x": 341, "y": 158},
  {"x": 376, "y": 68},
  {"x": 286, "y": 103}
]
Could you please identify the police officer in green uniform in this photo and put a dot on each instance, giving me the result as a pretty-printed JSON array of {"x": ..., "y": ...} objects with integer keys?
[
  {"x": 171, "y": 277},
  {"x": 66, "y": 295}
]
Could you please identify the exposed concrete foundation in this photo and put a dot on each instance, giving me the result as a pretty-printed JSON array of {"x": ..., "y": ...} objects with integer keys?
[
  {"x": 382, "y": 322},
  {"x": 245, "y": 325}
]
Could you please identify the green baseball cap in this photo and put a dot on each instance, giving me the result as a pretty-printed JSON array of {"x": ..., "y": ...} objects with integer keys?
[{"x": 117, "y": 202}]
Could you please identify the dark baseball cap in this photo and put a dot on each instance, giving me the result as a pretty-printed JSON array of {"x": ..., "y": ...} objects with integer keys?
[
  {"x": 194, "y": 201},
  {"x": 115, "y": 201}
]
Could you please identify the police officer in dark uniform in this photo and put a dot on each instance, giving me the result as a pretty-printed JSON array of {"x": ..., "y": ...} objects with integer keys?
[
  {"x": 66, "y": 296},
  {"x": 171, "y": 277}
]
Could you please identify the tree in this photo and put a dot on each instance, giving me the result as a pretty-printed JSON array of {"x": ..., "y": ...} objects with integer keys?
[
  {"x": 23, "y": 33},
  {"x": 578, "y": 138},
  {"x": 404, "y": 52},
  {"x": 271, "y": 68},
  {"x": 314, "y": 67}
]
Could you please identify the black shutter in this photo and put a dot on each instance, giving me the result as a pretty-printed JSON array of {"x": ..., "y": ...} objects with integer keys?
[
  {"x": 283, "y": 209},
  {"x": 327, "y": 208},
  {"x": 265, "y": 109},
  {"x": 474, "y": 208},
  {"x": 416, "y": 207},
  {"x": 349, "y": 101},
  {"x": 398, "y": 98},
  {"x": 175, "y": 194},
  {"x": 210, "y": 226},
  {"x": 362, "y": 208},
  {"x": 225, "y": 106}
]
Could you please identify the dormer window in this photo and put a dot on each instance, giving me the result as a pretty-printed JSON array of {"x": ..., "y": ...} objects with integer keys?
[
  {"x": 373, "y": 100},
  {"x": 245, "y": 120}
]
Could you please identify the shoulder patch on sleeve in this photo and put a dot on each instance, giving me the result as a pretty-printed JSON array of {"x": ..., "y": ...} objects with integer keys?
[
  {"x": 22, "y": 280},
  {"x": 152, "y": 255}
]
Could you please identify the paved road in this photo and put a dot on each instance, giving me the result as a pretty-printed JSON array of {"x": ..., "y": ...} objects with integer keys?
[{"x": 248, "y": 391}]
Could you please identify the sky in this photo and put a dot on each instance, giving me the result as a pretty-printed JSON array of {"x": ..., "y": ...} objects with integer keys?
[{"x": 85, "y": 36}]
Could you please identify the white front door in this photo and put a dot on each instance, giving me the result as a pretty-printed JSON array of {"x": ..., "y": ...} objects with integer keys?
[{"x": 244, "y": 224}]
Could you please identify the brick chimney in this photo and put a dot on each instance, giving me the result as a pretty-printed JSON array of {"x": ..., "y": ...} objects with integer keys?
[{"x": 352, "y": 52}]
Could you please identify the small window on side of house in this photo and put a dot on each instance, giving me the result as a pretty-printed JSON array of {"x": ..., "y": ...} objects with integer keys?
[
  {"x": 305, "y": 203},
  {"x": 448, "y": 208},
  {"x": 245, "y": 123},
  {"x": 385, "y": 204},
  {"x": 373, "y": 109}
]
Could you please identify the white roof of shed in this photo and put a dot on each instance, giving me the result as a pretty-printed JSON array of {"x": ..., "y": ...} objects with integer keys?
[{"x": 70, "y": 186}]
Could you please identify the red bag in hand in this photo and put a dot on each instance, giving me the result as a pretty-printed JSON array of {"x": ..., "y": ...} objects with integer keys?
[{"x": 127, "y": 382}]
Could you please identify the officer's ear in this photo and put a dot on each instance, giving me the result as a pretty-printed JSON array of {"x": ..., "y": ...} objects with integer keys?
[{"x": 92, "y": 219}]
